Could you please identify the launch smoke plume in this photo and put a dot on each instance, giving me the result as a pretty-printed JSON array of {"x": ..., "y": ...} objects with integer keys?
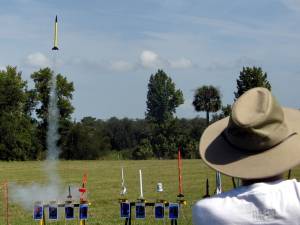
[
  {"x": 52, "y": 132},
  {"x": 27, "y": 195},
  {"x": 53, "y": 116}
]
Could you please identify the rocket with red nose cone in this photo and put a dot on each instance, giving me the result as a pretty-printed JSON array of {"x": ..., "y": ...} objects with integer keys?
[{"x": 55, "y": 47}]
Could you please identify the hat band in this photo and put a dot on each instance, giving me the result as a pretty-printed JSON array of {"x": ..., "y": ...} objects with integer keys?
[{"x": 255, "y": 152}]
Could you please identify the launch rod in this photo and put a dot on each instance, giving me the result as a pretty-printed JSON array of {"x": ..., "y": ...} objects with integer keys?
[
  {"x": 141, "y": 185},
  {"x": 5, "y": 187},
  {"x": 218, "y": 183},
  {"x": 122, "y": 174},
  {"x": 180, "y": 172},
  {"x": 207, "y": 189},
  {"x": 7, "y": 207},
  {"x": 123, "y": 188}
]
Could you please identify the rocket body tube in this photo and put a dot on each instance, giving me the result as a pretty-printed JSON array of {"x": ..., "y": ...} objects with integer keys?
[{"x": 55, "y": 47}]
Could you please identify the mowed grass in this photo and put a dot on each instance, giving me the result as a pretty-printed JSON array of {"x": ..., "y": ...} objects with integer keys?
[{"x": 104, "y": 183}]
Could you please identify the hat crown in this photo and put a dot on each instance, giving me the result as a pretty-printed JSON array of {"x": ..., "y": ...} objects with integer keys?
[
  {"x": 254, "y": 107},
  {"x": 257, "y": 121}
]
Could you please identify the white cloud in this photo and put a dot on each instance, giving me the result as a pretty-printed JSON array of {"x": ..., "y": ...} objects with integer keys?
[
  {"x": 121, "y": 66},
  {"x": 38, "y": 60},
  {"x": 150, "y": 59},
  {"x": 182, "y": 63},
  {"x": 2, "y": 68},
  {"x": 147, "y": 60}
]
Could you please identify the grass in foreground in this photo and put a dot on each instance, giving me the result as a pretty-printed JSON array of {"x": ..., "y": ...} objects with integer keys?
[{"x": 104, "y": 182}]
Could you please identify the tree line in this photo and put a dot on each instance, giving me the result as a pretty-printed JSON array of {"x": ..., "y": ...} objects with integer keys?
[{"x": 24, "y": 113}]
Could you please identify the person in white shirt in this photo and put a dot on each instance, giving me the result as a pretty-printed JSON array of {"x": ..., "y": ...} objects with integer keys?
[{"x": 257, "y": 143}]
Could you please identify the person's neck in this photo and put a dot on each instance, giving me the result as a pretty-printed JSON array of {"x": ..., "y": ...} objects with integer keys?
[{"x": 246, "y": 182}]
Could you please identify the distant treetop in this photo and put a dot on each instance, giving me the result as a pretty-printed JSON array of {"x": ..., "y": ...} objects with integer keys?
[
  {"x": 251, "y": 77},
  {"x": 162, "y": 98}
]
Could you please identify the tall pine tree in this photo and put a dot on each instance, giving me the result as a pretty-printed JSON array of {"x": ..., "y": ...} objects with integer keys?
[
  {"x": 251, "y": 77},
  {"x": 162, "y": 100}
]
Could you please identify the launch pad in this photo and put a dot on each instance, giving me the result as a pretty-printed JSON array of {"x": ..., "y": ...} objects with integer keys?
[
  {"x": 53, "y": 208},
  {"x": 41, "y": 210},
  {"x": 160, "y": 210}
]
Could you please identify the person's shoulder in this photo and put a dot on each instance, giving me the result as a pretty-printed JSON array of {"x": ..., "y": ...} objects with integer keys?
[
  {"x": 205, "y": 207},
  {"x": 203, "y": 212},
  {"x": 236, "y": 196},
  {"x": 204, "y": 204},
  {"x": 220, "y": 208},
  {"x": 291, "y": 182},
  {"x": 211, "y": 210},
  {"x": 291, "y": 185},
  {"x": 282, "y": 185},
  {"x": 215, "y": 200}
]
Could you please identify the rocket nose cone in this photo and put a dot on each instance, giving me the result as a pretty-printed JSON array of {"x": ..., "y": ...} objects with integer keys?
[{"x": 56, "y": 19}]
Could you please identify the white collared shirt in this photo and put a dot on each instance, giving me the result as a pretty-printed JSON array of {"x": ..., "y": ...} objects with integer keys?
[{"x": 275, "y": 203}]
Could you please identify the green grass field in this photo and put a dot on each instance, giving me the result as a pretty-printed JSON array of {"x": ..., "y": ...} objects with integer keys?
[{"x": 104, "y": 186}]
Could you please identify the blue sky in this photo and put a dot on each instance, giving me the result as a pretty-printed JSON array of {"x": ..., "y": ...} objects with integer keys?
[{"x": 109, "y": 49}]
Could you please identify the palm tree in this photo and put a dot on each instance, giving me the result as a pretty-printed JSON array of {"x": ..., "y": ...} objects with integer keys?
[{"x": 207, "y": 99}]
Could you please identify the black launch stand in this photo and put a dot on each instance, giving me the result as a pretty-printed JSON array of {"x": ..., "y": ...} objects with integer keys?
[{"x": 132, "y": 204}]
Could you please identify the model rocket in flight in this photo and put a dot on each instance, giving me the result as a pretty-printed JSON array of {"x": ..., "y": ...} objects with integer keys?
[{"x": 55, "y": 47}]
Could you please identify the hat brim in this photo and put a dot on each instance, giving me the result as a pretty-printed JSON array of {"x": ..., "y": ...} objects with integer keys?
[{"x": 217, "y": 153}]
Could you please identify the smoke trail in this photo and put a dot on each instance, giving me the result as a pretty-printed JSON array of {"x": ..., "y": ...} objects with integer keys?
[
  {"x": 52, "y": 132},
  {"x": 53, "y": 117},
  {"x": 53, "y": 191}
]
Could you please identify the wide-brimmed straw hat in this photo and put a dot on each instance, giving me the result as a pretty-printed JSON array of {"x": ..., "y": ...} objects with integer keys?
[{"x": 260, "y": 139}]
